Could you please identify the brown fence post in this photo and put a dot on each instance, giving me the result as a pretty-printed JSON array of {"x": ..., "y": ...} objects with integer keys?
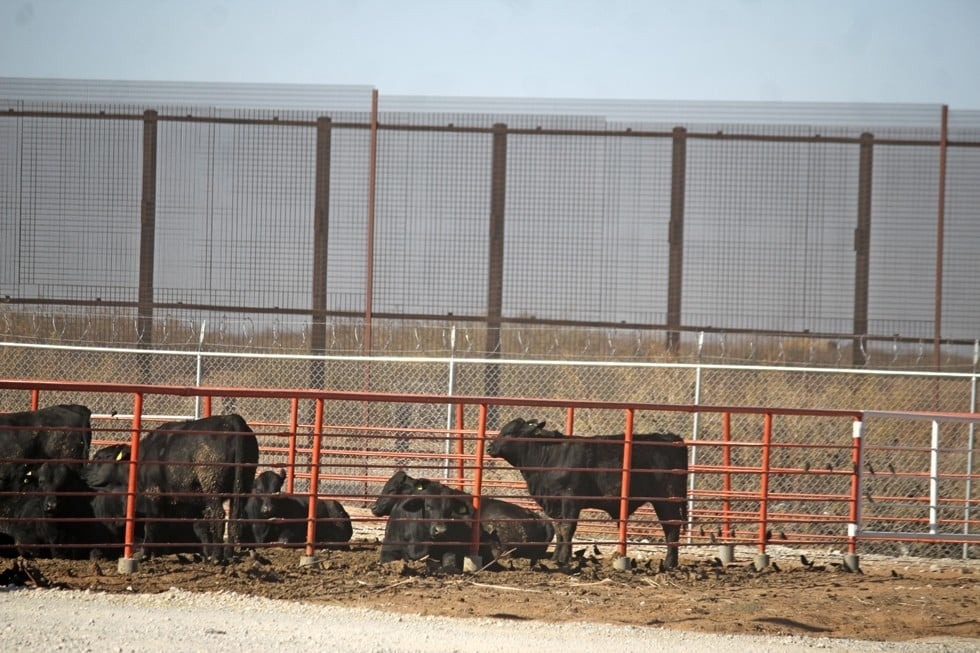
[
  {"x": 321, "y": 224},
  {"x": 675, "y": 237},
  {"x": 148, "y": 204},
  {"x": 862, "y": 247},
  {"x": 495, "y": 259},
  {"x": 937, "y": 329}
]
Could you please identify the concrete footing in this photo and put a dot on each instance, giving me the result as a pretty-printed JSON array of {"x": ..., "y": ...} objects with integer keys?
[
  {"x": 307, "y": 561},
  {"x": 622, "y": 564},
  {"x": 472, "y": 564},
  {"x": 127, "y": 565},
  {"x": 449, "y": 561},
  {"x": 852, "y": 562},
  {"x": 761, "y": 562},
  {"x": 726, "y": 553}
]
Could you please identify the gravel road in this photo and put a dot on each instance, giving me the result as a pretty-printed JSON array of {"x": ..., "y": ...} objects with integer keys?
[{"x": 175, "y": 621}]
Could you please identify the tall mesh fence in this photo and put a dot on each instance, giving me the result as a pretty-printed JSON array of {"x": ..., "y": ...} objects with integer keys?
[
  {"x": 817, "y": 220},
  {"x": 549, "y": 249}
]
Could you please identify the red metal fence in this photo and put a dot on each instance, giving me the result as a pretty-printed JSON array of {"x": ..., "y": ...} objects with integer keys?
[{"x": 743, "y": 490}]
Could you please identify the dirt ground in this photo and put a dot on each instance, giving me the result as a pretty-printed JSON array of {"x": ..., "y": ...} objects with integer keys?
[{"x": 895, "y": 600}]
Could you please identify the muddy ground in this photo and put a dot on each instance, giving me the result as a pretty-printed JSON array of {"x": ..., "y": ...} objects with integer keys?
[{"x": 890, "y": 599}]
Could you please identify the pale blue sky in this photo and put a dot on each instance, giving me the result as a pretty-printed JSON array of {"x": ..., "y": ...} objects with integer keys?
[{"x": 793, "y": 50}]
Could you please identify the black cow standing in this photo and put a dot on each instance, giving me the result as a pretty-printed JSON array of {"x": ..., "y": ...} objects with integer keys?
[
  {"x": 108, "y": 474},
  {"x": 282, "y": 518},
  {"x": 559, "y": 474},
  {"x": 509, "y": 529},
  {"x": 28, "y": 438},
  {"x": 186, "y": 471}
]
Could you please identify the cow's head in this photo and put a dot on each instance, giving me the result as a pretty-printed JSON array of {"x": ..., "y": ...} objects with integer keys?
[
  {"x": 52, "y": 479},
  {"x": 109, "y": 466},
  {"x": 267, "y": 484},
  {"x": 395, "y": 489},
  {"x": 17, "y": 477},
  {"x": 433, "y": 518},
  {"x": 511, "y": 432}
]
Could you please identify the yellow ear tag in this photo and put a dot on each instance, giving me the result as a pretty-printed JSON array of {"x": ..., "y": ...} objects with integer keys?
[
  {"x": 419, "y": 485},
  {"x": 119, "y": 456}
]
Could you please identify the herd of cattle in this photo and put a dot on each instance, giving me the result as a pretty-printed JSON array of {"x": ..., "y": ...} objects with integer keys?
[{"x": 59, "y": 499}]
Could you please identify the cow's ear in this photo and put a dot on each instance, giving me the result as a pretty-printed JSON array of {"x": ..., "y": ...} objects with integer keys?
[{"x": 282, "y": 473}]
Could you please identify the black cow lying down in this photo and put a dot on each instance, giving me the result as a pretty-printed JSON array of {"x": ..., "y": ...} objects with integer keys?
[
  {"x": 423, "y": 511},
  {"x": 558, "y": 473},
  {"x": 62, "y": 432},
  {"x": 277, "y": 517},
  {"x": 432, "y": 521},
  {"x": 186, "y": 471}
]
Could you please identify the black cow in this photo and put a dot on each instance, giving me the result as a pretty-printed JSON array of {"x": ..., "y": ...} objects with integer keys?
[
  {"x": 24, "y": 531},
  {"x": 43, "y": 518},
  {"x": 186, "y": 470},
  {"x": 507, "y": 528},
  {"x": 282, "y": 518},
  {"x": 62, "y": 432},
  {"x": 430, "y": 522},
  {"x": 67, "y": 505},
  {"x": 558, "y": 473},
  {"x": 108, "y": 473}
]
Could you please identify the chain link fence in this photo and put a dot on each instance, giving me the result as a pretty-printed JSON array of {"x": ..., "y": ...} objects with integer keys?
[{"x": 810, "y": 466}]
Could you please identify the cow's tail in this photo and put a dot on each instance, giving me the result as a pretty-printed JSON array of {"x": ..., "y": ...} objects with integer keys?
[
  {"x": 86, "y": 414},
  {"x": 240, "y": 483},
  {"x": 237, "y": 500}
]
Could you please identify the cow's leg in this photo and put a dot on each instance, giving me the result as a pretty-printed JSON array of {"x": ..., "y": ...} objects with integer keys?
[
  {"x": 669, "y": 511},
  {"x": 210, "y": 530},
  {"x": 565, "y": 531}
]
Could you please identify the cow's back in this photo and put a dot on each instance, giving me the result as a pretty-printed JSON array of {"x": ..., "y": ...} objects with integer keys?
[
  {"x": 666, "y": 454},
  {"x": 59, "y": 432},
  {"x": 196, "y": 455}
]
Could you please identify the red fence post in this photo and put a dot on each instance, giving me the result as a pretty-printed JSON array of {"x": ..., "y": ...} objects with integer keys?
[
  {"x": 481, "y": 438},
  {"x": 764, "y": 481},
  {"x": 460, "y": 463},
  {"x": 314, "y": 477},
  {"x": 35, "y": 399},
  {"x": 291, "y": 455},
  {"x": 726, "y": 477},
  {"x": 625, "y": 489},
  {"x": 132, "y": 486}
]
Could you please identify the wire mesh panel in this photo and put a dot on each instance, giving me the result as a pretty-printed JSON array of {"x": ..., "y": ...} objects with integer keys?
[
  {"x": 70, "y": 188},
  {"x": 821, "y": 219},
  {"x": 920, "y": 481},
  {"x": 769, "y": 228}
]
